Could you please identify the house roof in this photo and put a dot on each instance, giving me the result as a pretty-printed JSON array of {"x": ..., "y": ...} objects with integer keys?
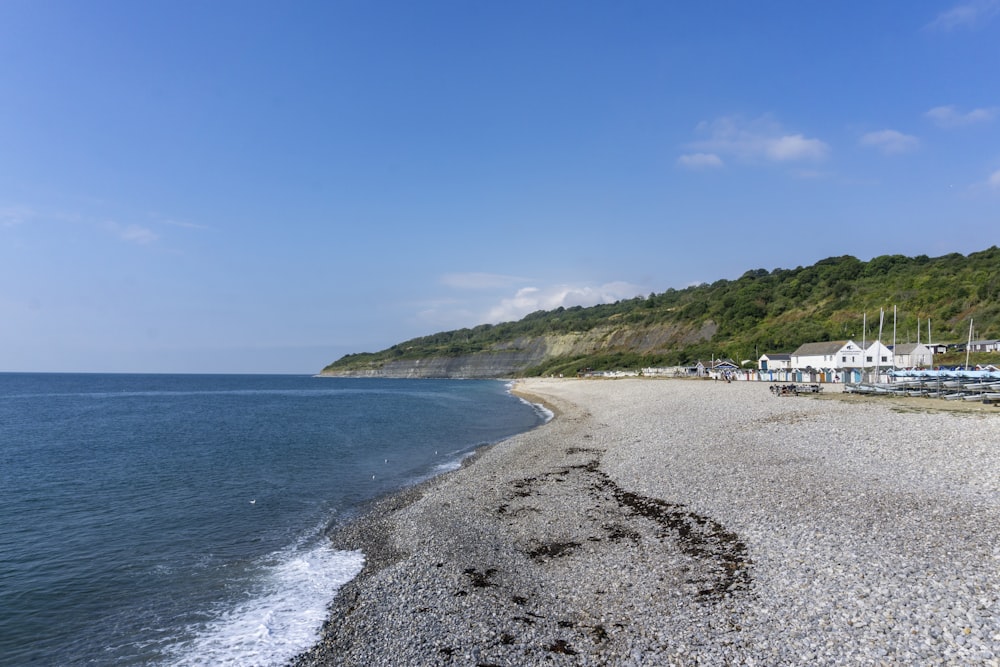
[
  {"x": 718, "y": 362},
  {"x": 814, "y": 349},
  {"x": 905, "y": 348},
  {"x": 777, "y": 356}
]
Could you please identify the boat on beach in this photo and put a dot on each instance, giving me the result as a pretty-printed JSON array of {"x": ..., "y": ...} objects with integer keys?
[{"x": 950, "y": 385}]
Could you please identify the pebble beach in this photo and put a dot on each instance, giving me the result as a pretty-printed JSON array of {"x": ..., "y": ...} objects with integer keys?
[{"x": 679, "y": 522}]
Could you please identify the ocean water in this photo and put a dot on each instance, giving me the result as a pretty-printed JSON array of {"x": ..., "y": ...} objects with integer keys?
[{"x": 182, "y": 520}]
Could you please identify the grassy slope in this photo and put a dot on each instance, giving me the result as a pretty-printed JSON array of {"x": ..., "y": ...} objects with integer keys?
[{"x": 762, "y": 311}]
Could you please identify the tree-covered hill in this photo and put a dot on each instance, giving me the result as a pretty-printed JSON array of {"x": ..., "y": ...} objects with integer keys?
[{"x": 762, "y": 311}]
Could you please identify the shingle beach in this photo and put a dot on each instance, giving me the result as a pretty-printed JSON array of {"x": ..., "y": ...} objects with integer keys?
[{"x": 673, "y": 522}]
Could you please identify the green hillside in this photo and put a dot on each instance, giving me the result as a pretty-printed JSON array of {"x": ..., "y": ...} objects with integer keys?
[{"x": 762, "y": 311}]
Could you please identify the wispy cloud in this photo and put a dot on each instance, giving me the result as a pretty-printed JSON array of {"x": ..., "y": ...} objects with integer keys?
[
  {"x": 15, "y": 215},
  {"x": 890, "y": 141},
  {"x": 700, "y": 161},
  {"x": 994, "y": 180},
  {"x": 950, "y": 116},
  {"x": 453, "y": 313},
  {"x": 529, "y": 299},
  {"x": 132, "y": 233},
  {"x": 966, "y": 15},
  {"x": 478, "y": 281},
  {"x": 11, "y": 216},
  {"x": 182, "y": 224},
  {"x": 755, "y": 140},
  {"x": 809, "y": 174}
]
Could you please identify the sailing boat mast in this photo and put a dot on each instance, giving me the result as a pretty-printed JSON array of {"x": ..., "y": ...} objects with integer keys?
[
  {"x": 968, "y": 346},
  {"x": 878, "y": 343},
  {"x": 864, "y": 330},
  {"x": 893, "y": 335}
]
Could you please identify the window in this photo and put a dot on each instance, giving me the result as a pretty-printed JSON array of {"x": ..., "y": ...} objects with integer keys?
[
  {"x": 884, "y": 358},
  {"x": 844, "y": 358},
  {"x": 868, "y": 358}
]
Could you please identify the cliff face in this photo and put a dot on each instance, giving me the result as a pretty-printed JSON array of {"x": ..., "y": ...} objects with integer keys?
[
  {"x": 511, "y": 358},
  {"x": 481, "y": 365},
  {"x": 505, "y": 360}
]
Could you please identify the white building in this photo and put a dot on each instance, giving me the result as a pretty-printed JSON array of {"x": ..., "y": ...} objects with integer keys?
[
  {"x": 985, "y": 346},
  {"x": 831, "y": 355},
  {"x": 774, "y": 362},
  {"x": 878, "y": 355},
  {"x": 912, "y": 355}
]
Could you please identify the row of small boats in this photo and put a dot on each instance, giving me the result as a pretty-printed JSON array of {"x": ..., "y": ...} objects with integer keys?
[{"x": 947, "y": 387}]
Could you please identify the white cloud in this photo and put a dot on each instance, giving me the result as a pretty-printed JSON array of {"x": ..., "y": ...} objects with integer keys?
[
  {"x": 967, "y": 15},
  {"x": 480, "y": 280},
  {"x": 758, "y": 139},
  {"x": 140, "y": 235},
  {"x": 182, "y": 224},
  {"x": 445, "y": 314},
  {"x": 455, "y": 313},
  {"x": 809, "y": 174},
  {"x": 795, "y": 147},
  {"x": 994, "y": 180},
  {"x": 132, "y": 233},
  {"x": 950, "y": 116},
  {"x": 529, "y": 299},
  {"x": 15, "y": 215},
  {"x": 890, "y": 141},
  {"x": 700, "y": 161}
]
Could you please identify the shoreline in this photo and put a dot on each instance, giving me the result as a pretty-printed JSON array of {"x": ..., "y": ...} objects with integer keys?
[{"x": 692, "y": 523}]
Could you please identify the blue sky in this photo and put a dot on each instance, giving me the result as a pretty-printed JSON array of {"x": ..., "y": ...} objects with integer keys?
[{"x": 241, "y": 186}]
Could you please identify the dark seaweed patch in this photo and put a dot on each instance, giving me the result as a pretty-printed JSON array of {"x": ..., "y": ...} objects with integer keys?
[
  {"x": 618, "y": 532},
  {"x": 481, "y": 579},
  {"x": 599, "y": 633},
  {"x": 583, "y": 450},
  {"x": 553, "y": 550},
  {"x": 561, "y": 646},
  {"x": 698, "y": 536}
]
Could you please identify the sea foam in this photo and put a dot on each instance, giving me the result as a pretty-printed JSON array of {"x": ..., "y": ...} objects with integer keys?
[{"x": 280, "y": 622}]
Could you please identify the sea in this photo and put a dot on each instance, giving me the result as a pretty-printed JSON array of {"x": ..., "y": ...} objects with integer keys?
[{"x": 185, "y": 519}]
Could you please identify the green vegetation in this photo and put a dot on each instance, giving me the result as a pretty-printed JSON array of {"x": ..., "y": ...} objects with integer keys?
[{"x": 762, "y": 311}]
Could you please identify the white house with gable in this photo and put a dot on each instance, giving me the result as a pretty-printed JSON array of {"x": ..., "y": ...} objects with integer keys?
[
  {"x": 912, "y": 355},
  {"x": 829, "y": 355},
  {"x": 774, "y": 362},
  {"x": 878, "y": 355}
]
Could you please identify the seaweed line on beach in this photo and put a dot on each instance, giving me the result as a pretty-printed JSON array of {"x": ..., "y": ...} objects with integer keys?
[
  {"x": 698, "y": 536},
  {"x": 508, "y": 597}
]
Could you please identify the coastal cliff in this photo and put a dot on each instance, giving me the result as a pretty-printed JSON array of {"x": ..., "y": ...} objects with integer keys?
[
  {"x": 472, "y": 366},
  {"x": 516, "y": 357},
  {"x": 760, "y": 312}
]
